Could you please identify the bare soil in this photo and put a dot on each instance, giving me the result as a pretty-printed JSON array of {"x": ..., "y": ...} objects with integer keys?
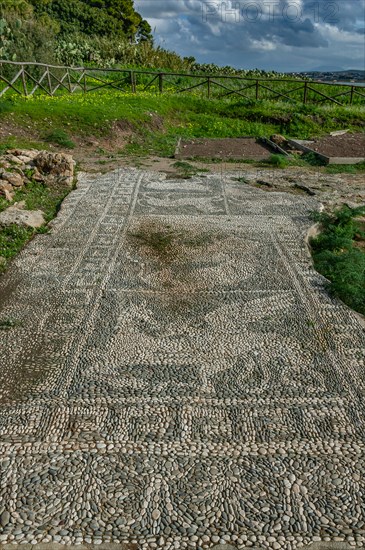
[
  {"x": 231, "y": 148},
  {"x": 9, "y": 129},
  {"x": 347, "y": 145}
]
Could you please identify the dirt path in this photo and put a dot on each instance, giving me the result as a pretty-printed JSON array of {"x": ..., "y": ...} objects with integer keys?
[{"x": 176, "y": 375}]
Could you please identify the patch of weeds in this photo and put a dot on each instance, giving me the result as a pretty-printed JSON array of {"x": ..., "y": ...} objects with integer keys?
[
  {"x": 13, "y": 238},
  {"x": 278, "y": 161},
  {"x": 182, "y": 165},
  {"x": 29, "y": 172},
  {"x": 218, "y": 160},
  {"x": 241, "y": 179},
  {"x": 7, "y": 324},
  {"x": 345, "y": 168},
  {"x": 187, "y": 170},
  {"x": 5, "y": 106},
  {"x": 282, "y": 161},
  {"x": 3, "y": 204},
  {"x": 151, "y": 143},
  {"x": 313, "y": 159},
  {"x": 134, "y": 148},
  {"x": 37, "y": 196},
  {"x": 43, "y": 230},
  {"x": 60, "y": 137},
  {"x": 206, "y": 160},
  {"x": 17, "y": 142},
  {"x": 244, "y": 161},
  {"x": 4, "y": 147},
  {"x": 157, "y": 238},
  {"x": 166, "y": 242},
  {"x": 338, "y": 257}
]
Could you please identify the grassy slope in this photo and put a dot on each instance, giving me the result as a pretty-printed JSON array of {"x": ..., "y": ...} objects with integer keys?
[{"x": 155, "y": 122}]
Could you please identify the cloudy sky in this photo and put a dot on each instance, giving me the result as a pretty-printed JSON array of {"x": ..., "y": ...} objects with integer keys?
[{"x": 283, "y": 35}]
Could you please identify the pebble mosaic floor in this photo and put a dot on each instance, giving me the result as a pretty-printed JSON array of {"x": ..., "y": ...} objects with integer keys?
[{"x": 200, "y": 392}]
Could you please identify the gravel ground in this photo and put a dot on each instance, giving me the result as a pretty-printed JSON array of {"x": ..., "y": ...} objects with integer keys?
[{"x": 176, "y": 375}]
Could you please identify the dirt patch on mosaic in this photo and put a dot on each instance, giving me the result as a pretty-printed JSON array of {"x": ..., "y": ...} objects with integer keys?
[
  {"x": 167, "y": 243},
  {"x": 171, "y": 255}
]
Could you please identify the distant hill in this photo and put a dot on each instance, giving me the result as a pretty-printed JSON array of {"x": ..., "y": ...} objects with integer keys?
[
  {"x": 326, "y": 69},
  {"x": 357, "y": 75},
  {"x": 342, "y": 72}
]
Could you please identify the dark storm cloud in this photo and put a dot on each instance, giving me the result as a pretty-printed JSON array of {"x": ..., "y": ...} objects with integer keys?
[{"x": 278, "y": 34}]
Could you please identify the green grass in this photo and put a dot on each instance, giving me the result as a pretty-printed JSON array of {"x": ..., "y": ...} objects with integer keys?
[
  {"x": 3, "y": 203},
  {"x": 17, "y": 142},
  {"x": 183, "y": 165},
  {"x": 12, "y": 240},
  {"x": 149, "y": 143},
  {"x": 59, "y": 137},
  {"x": 39, "y": 197},
  {"x": 339, "y": 254},
  {"x": 313, "y": 159},
  {"x": 36, "y": 197},
  {"x": 345, "y": 168},
  {"x": 279, "y": 161},
  {"x": 154, "y": 122},
  {"x": 187, "y": 170}
]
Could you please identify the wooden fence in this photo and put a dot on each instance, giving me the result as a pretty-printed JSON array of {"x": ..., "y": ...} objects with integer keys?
[{"x": 26, "y": 79}]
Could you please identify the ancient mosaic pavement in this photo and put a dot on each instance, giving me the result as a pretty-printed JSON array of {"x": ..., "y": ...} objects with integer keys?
[{"x": 177, "y": 376}]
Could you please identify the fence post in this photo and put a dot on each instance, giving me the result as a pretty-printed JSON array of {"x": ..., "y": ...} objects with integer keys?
[
  {"x": 133, "y": 82},
  {"x": 69, "y": 81},
  {"x": 160, "y": 82},
  {"x": 257, "y": 89},
  {"x": 24, "y": 82},
  {"x": 208, "y": 83},
  {"x": 49, "y": 81},
  {"x": 84, "y": 83},
  {"x": 305, "y": 92},
  {"x": 352, "y": 94}
]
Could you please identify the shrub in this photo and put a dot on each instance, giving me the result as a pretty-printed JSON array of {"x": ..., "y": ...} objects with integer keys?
[
  {"x": 338, "y": 258},
  {"x": 279, "y": 161},
  {"x": 23, "y": 36}
]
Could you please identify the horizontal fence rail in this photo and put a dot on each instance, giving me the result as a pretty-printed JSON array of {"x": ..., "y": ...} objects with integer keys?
[{"x": 27, "y": 79}]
